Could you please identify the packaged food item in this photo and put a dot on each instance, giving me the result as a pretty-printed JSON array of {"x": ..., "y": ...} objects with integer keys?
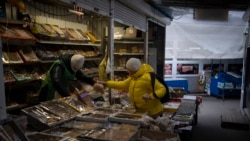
[
  {"x": 44, "y": 137},
  {"x": 85, "y": 98},
  {"x": 51, "y": 32},
  {"x": 28, "y": 54},
  {"x": 85, "y": 37},
  {"x": 121, "y": 132},
  {"x": 83, "y": 125},
  {"x": 92, "y": 38},
  {"x": 73, "y": 102},
  {"x": 59, "y": 108},
  {"x": 20, "y": 74},
  {"x": 38, "y": 29},
  {"x": 57, "y": 29},
  {"x": 7, "y": 32},
  {"x": 12, "y": 57},
  {"x": 134, "y": 49},
  {"x": 44, "y": 54},
  {"x": 131, "y": 32},
  {"x": 73, "y": 34},
  {"x": 41, "y": 33},
  {"x": 23, "y": 33},
  {"x": 8, "y": 77}
]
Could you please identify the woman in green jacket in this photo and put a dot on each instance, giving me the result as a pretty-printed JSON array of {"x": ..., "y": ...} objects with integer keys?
[
  {"x": 62, "y": 72},
  {"x": 139, "y": 86}
]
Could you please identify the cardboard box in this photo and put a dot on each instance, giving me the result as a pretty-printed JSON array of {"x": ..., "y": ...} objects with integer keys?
[
  {"x": 171, "y": 106},
  {"x": 130, "y": 32},
  {"x": 119, "y": 32},
  {"x": 177, "y": 92}
]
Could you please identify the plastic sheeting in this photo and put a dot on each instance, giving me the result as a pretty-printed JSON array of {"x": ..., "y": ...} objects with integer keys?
[{"x": 189, "y": 38}]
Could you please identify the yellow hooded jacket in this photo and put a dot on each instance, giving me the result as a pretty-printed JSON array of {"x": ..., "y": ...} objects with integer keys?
[{"x": 139, "y": 84}]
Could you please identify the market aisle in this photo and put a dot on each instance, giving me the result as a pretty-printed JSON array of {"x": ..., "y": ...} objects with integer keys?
[{"x": 209, "y": 121}]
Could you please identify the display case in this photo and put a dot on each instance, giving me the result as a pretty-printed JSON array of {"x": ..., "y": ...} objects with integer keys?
[
  {"x": 11, "y": 131},
  {"x": 124, "y": 132},
  {"x": 49, "y": 114},
  {"x": 128, "y": 118},
  {"x": 100, "y": 115}
]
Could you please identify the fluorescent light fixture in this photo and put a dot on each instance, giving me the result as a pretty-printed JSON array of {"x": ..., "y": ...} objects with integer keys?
[
  {"x": 184, "y": 50},
  {"x": 195, "y": 48},
  {"x": 76, "y": 12},
  {"x": 168, "y": 48}
]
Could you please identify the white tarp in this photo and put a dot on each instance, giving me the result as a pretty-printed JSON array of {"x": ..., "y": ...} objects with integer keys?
[{"x": 189, "y": 38}]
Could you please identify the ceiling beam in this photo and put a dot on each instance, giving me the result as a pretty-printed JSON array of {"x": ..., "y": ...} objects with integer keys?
[{"x": 221, "y": 4}]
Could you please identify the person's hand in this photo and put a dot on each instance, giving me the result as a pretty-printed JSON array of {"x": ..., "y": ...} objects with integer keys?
[
  {"x": 146, "y": 97},
  {"x": 98, "y": 87},
  {"x": 102, "y": 82},
  {"x": 95, "y": 79}
]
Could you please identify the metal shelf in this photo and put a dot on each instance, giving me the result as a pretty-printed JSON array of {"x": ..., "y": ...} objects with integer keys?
[
  {"x": 128, "y": 53},
  {"x": 11, "y": 21},
  {"x": 68, "y": 43},
  {"x": 120, "y": 70},
  {"x": 93, "y": 59},
  {"x": 129, "y": 42}
]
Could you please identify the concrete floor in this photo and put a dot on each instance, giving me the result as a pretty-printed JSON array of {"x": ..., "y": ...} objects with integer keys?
[{"x": 209, "y": 121}]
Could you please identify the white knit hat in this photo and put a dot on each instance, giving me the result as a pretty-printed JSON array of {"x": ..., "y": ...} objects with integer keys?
[
  {"x": 133, "y": 64},
  {"x": 77, "y": 62}
]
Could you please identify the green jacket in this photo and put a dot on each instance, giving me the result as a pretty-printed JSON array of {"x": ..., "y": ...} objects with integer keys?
[{"x": 59, "y": 77}]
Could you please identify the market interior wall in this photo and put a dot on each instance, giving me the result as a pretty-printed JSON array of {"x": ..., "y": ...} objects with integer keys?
[{"x": 193, "y": 78}]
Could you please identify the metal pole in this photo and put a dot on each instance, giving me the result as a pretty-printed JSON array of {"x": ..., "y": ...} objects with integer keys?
[
  {"x": 146, "y": 44},
  {"x": 243, "y": 85},
  {"x": 3, "y": 114},
  {"x": 111, "y": 45}
]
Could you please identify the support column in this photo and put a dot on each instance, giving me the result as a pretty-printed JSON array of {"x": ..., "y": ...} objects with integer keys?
[
  {"x": 111, "y": 45},
  {"x": 3, "y": 114}
]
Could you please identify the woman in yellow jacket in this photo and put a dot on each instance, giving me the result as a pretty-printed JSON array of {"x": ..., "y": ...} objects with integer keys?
[{"x": 139, "y": 86}]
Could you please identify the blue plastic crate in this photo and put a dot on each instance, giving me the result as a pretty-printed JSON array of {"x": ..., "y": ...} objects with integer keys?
[{"x": 178, "y": 83}]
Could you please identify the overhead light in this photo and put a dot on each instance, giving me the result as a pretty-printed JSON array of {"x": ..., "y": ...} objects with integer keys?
[
  {"x": 168, "y": 48},
  {"x": 195, "y": 48},
  {"x": 76, "y": 12},
  {"x": 184, "y": 50}
]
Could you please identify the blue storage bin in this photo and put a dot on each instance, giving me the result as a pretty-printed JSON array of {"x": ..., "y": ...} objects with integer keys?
[
  {"x": 224, "y": 78},
  {"x": 214, "y": 87}
]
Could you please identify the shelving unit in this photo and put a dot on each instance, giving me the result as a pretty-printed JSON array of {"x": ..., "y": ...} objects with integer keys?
[
  {"x": 49, "y": 41},
  {"x": 125, "y": 49},
  {"x": 67, "y": 43},
  {"x": 22, "y": 77},
  {"x": 92, "y": 52},
  {"x": 20, "y": 80}
]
